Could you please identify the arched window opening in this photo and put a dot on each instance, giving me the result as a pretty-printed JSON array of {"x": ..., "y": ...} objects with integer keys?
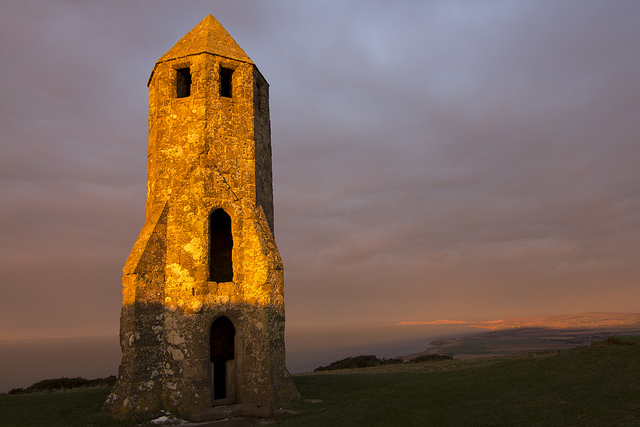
[
  {"x": 220, "y": 247},
  {"x": 222, "y": 350}
]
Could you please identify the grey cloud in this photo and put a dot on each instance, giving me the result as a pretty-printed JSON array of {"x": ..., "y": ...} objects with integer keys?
[{"x": 431, "y": 159}]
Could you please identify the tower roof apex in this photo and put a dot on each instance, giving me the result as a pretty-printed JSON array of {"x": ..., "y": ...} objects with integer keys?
[{"x": 209, "y": 36}]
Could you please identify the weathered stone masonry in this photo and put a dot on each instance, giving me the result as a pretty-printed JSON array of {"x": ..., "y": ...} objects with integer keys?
[{"x": 202, "y": 322}]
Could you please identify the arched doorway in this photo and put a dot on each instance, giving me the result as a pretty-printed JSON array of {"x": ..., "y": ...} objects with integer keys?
[{"x": 222, "y": 351}]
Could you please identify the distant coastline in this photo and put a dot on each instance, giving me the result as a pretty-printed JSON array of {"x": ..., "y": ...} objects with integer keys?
[
  {"x": 533, "y": 334},
  {"x": 30, "y": 360}
]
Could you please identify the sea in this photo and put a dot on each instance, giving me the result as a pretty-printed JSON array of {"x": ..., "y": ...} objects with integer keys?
[{"x": 25, "y": 362}]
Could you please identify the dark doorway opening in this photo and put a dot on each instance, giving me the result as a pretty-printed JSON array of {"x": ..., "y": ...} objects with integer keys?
[
  {"x": 183, "y": 83},
  {"x": 220, "y": 247},
  {"x": 222, "y": 350}
]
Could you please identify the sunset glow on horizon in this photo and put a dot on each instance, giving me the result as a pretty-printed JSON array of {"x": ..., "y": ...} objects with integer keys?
[{"x": 580, "y": 320}]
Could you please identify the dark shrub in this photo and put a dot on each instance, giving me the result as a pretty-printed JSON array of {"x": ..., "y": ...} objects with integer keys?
[
  {"x": 351, "y": 362},
  {"x": 430, "y": 358},
  {"x": 65, "y": 384},
  {"x": 395, "y": 361}
]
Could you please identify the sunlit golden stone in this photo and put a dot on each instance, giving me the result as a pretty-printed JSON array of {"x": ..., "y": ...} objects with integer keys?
[{"x": 202, "y": 321}]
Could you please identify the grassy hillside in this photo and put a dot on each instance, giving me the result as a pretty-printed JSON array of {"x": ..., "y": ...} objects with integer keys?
[
  {"x": 590, "y": 386},
  {"x": 77, "y": 407}
]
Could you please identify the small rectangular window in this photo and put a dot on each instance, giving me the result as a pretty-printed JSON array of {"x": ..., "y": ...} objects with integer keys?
[
  {"x": 225, "y": 82},
  {"x": 183, "y": 83}
]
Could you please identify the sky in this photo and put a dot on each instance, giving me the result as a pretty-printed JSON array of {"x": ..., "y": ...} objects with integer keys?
[{"x": 469, "y": 160}]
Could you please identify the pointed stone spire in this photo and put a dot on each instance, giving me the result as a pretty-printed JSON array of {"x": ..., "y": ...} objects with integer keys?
[{"x": 209, "y": 36}]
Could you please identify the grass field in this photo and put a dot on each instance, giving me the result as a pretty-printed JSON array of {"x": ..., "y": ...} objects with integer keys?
[
  {"x": 77, "y": 407},
  {"x": 587, "y": 386}
]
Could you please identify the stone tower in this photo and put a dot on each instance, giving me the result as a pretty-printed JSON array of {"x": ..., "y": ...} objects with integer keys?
[{"x": 202, "y": 322}]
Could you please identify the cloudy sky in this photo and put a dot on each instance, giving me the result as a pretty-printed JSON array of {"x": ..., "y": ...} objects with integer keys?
[{"x": 468, "y": 160}]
